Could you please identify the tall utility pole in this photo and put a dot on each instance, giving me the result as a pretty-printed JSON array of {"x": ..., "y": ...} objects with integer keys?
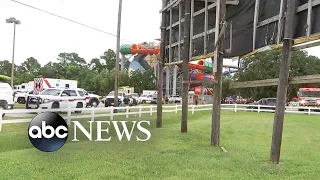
[
  {"x": 185, "y": 67},
  {"x": 283, "y": 82},
  {"x": 15, "y": 22},
  {"x": 220, "y": 19},
  {"x": 161, "y": 64},
  {"x": 116, "y": 76}
]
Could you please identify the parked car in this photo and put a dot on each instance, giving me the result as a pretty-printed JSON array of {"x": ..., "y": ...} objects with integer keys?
[
  {"x": 264, "y": 102},
  {"x": 145, "y": 99},
  {"x": 154, "y": 99},
  {"x": 6, "y": 97},
  {"x": 175, "y": 99}
]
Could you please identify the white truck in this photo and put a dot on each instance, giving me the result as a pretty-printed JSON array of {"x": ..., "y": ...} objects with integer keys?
[
  {"x": 92, "y": 100},
  {"x": 109, "y": 100},
  {"x": 309, "y": 97},
  {"x": 57, "y": 98},
  {"x": 43, "y": 83},
  {"x": 6, "y": 97},
  {"x": 149, "y": 92},
  {"x": 24, "y": 87},
  {"x": 21, "y": 96}
]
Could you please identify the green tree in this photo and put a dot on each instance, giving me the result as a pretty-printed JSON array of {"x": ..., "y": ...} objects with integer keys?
[
  {"x": 96, "y": 65},
  {"x": 31, "y": 65},
  {"x": 72, "y": 59},
  {"x": 109, "y": 57},
  {"x": 5, "y": 68},
  {"x": 142, "y": 80},
  {"x": 267, "y": 66},
  {"x": 49, "y": 70},
  {"x": 226, "y": 91},
  {"x": 136, "y": 80}
]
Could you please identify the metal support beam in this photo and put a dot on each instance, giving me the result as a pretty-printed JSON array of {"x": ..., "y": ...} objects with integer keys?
[
  {"x": 167, "y": 81},
  {"x": 123, "y": 58},
  {"x": 231, "y": 35},
  {"x": 283, "y": 82},
  {"x": 255, "y": 22},
  {"x": 211, "y": 6},
  {"x": 174, "y": 82},
  {"x": 170, "y": 37},
  {"x": 309, "y": 18},
  {"x": 191, "y": 29},
  {"x": 179, "y": 39},
  {"x": 205, "y": 36},
  {"x": 280, "y": 21},
  {"x": 273, "y": 19},
  {"x": 174, "y": 88}
]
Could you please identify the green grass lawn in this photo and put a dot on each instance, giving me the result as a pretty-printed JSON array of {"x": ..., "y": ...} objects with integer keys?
[{"x": 171, "y": 154}]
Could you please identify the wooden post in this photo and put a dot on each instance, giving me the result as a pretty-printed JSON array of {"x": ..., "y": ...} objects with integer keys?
[
  {"x": 111, "y": 113},
  {"x": 69, "y": 116},
  {"x": 116, "y": 77},
  {"x": 283, "y": 82},
  {"x": 161, "y": 64},
  {"x": 92, "y": 114},
  {"x": 185, "y": 67},
  {"x": 140, "y": 109},
  {"x": 215, "y": 129}
]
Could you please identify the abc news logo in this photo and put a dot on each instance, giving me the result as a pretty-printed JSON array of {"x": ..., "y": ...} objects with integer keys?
[{"x": 48, "y": 131}]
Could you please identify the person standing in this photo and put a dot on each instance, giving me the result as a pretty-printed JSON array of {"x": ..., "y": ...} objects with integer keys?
[{"x": 126, "y": 101}]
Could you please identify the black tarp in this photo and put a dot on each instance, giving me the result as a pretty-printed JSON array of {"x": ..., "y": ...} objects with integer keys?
[{"x": 242, "y": 18}]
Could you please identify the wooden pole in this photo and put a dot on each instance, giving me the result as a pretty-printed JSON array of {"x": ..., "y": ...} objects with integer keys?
[
  {"x": 161, "y": 65},
  {"x": 185, "y": 67},
  {"x": 215, "y": 129},
  {"x": 283, "y": 82},
  {"x": 116, "y": 76}
]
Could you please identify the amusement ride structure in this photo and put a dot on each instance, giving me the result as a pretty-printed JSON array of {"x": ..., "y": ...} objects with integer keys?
[{"x": 146, "y": 56}]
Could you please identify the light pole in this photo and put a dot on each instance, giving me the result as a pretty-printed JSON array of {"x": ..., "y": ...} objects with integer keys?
[{"x": 15, "y": 22}]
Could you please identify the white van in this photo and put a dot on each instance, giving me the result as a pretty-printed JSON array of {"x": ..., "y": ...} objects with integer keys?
[{"x": 6, "y": 96}]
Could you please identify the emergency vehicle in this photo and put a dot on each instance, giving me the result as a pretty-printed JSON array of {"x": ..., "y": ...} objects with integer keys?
[
  {"x": 309, "y": 97},
  {"x": 24, "y": 87},
  {"x": 126, "y": 89},
  {"x": 149, "y": 92},
  {"x": 43, "y": 83},
  {"x": 57, "y": 98}
]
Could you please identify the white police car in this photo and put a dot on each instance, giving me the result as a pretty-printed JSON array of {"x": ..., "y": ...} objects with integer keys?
[{"x": 56, "y": 98}]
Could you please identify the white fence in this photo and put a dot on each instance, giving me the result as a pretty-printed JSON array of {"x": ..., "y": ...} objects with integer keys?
[{"x": 139, "y": 110}]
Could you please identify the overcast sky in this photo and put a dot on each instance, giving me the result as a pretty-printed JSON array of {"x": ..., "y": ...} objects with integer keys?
[{"x": 44, "y": 36}]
